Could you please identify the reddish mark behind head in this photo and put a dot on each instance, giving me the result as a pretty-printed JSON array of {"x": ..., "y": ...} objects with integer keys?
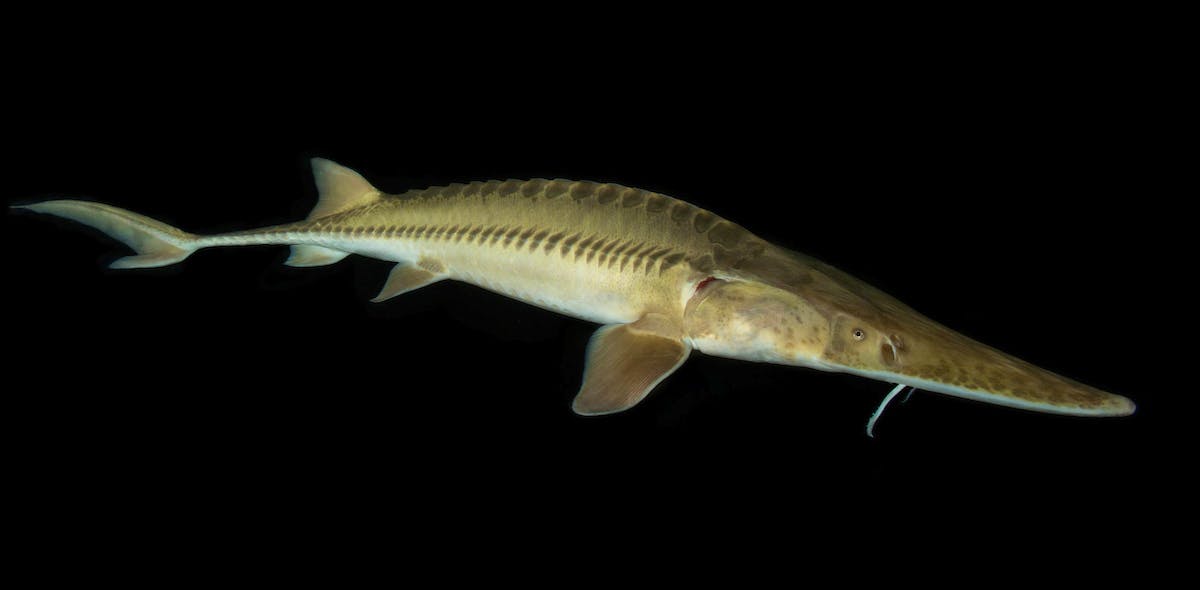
[{"x": 704, "y": 283}]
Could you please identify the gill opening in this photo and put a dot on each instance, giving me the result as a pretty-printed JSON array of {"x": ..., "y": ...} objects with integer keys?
[
  {"x": 704, "y": 283},
  {"x": 889, "y": 350}
]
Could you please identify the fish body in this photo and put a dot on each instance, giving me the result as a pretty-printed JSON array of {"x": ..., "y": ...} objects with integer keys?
[{"x": 664, "y": 277}]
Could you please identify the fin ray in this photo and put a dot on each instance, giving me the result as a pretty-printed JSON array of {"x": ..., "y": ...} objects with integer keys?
[
  {"x": 339, "y": 188},
  {"x": 624, "y": 364},
  {"x": 407, "y": 277},
  {"x": 306, "y": 256}
]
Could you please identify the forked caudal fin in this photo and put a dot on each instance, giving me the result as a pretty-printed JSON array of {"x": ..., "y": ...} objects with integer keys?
[{"x": 156, "y": 243}]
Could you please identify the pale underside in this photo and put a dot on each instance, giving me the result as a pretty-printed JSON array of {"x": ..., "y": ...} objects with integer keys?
[
  {"x": 599, "y": 252},
  {"x": 636, "y": 261}
]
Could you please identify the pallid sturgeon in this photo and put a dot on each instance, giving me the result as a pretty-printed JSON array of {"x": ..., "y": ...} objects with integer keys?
[{"x": 663, "y": 277}]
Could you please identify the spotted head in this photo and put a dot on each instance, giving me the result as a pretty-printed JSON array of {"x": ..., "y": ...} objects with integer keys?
[
  {"x": 753, "y": 321},
  {"x": 787, "y": 308}
]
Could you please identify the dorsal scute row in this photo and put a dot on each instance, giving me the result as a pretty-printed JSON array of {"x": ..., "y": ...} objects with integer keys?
[{"x": 730, "y": 242}]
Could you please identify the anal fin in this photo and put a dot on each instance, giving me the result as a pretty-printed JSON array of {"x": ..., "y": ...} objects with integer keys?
[
  {"x": 406, "y": 277},
  {"x": 625, "y": 362},
  {"x": 305, "y": 255}
]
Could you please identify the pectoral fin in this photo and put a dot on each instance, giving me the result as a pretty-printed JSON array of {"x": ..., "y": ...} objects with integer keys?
[
  {"x": 406, "y": 277},
  {"x": 625, "y": 362}
]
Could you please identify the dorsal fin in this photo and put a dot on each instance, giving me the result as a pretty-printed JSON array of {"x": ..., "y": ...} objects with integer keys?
[{"x": 339, "y": 188}]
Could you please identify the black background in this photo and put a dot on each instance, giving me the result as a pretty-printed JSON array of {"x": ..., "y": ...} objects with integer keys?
[{"x": 1013, "y": 189}]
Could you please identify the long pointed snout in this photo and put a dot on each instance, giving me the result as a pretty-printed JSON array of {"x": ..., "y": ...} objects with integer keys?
[{"x": 937, "y": 359}]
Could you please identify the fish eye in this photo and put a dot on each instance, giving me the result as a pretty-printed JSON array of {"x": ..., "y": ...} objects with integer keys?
[{"x": 859, "y": 334}]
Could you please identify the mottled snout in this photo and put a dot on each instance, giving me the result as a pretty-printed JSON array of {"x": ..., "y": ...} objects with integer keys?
[{"x": 937, "y": 359}]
